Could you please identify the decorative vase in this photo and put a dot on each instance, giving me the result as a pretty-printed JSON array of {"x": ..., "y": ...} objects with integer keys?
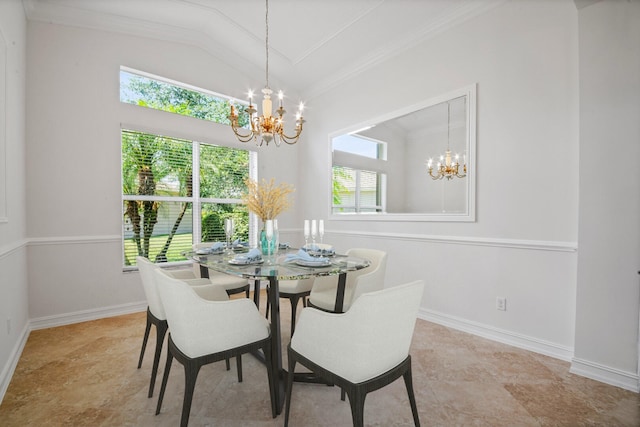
[{"x": 265, "y": 247}]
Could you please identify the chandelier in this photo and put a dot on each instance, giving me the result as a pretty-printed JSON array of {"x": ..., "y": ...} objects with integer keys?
[
  {"x": 267, "y": 127},
  {"x": 447, "y": 167}
]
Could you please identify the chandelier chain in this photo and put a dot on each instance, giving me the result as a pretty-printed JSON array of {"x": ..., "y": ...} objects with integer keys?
[
  {"x": 448, "y": 122},
  {"x": 266, "y": 40}
]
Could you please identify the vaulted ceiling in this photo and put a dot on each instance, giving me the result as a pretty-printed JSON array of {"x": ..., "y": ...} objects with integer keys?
[{"x": 313, "y": 44}]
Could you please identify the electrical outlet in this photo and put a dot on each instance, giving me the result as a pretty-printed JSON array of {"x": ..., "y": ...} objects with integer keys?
[{"x": 501, "y": 303}]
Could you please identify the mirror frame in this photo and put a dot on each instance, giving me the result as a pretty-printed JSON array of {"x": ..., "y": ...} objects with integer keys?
[{"x": 470, "y": 215}]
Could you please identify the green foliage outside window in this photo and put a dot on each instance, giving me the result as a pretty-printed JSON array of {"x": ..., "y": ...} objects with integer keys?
[{"x": 156, "y": 166}]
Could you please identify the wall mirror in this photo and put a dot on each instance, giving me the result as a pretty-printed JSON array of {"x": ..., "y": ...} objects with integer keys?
[{"x": 381, "y": 168}]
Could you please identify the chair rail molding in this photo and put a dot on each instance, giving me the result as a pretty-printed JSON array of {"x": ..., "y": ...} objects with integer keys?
[
  {"x": 12, "y": 247},
  {"x": 74, "y": 240},
  {"x": 554, "y": 246}
]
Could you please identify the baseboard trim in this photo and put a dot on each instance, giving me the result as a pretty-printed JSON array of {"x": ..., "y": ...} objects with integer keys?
[
  {"x": 10, "y": 367},
  {"x": 60, "y": 320},
  {"x": 86, "y": 315},
  {"x": 605, "y": 374},
  {"x": 500, "y": 335}
]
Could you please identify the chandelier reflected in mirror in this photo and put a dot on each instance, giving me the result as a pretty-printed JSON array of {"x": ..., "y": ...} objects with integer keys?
[
  {"x": 448, "y": 166},
  {"x": 266, "y": 127}
]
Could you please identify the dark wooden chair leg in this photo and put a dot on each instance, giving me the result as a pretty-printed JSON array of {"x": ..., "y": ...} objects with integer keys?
[
  {"x": 165, "y": 377},
  {"x": 191, "y": 369},
  {"x": 356, "y": 400},
  {"x": 408, "y": 381},
  {"x": 239, "y": 367},
  {"x": 144, "y": 340},
  {"x": 292, "y": 366},
  {"x": 161, "y": 331}
]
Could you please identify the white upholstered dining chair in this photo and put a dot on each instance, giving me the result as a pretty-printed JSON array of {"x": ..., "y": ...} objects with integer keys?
[
  {"x": 203, "y": 332},
  {"x": 361, "y": 350},
  {"x": 323, "y": 293},
  {"x": 155, "y": 311},
  {"x": 294, "y": 291},
  {"x": 232, "y": 284}
]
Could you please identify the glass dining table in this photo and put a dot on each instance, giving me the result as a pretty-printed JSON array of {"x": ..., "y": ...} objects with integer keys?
[{"x": 272, "y": 269}]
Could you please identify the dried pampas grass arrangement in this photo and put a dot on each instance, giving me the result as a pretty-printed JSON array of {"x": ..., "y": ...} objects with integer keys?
[{"x": 265, "y": 199}]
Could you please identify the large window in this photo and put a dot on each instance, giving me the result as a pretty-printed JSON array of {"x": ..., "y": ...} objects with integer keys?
[{"x": 177, "y": 192}]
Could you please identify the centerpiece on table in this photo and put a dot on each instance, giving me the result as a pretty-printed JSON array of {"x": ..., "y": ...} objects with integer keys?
[{"x": 267, "y": 200}]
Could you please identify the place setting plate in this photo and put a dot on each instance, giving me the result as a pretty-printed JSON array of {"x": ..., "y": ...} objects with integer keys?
[
  {"x": 319, "y": 250},
  {"x": 314, "y": 263},
  {"x": 245, "y": 262},
  {"x": 209, "y": 252}
]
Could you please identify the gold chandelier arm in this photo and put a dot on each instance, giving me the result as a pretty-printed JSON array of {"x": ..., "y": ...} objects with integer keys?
[
  {"x": 291, "y": 139},
  {"x": 435, "y": 177},
  {"x": 242, "y": 137}
]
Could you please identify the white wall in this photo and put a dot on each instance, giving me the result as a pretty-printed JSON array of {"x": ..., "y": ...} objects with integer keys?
[
  {"x": 13, "y": 248},
  {"x": 73, "y": 152},
  {"x": 609, "y": 231},
  {"x": 523, "y": 57}
]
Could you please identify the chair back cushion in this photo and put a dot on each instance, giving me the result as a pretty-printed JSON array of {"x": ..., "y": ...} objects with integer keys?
[
  {"x": 146, "y": 269},
  {"x": 200, "y": 326},
  {"x": 358, "y": 282},
  {"x": 369, "y": 279},
  {"x": 366, "y": 341}
]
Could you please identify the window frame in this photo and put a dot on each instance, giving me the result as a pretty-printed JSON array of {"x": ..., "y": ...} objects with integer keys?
[{"x": 196, "y": 200}]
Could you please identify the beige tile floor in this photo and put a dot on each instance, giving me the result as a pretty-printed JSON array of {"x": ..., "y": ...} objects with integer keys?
[{"x": 85, "y": 375}]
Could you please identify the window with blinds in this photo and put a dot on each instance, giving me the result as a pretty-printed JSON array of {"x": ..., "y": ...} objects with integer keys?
[
  {"x": 177, "y": 192},
  {"x": 356, "y": 191}
]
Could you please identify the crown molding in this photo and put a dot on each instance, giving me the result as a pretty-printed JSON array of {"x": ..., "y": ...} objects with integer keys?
[
  {"x": 249, "y": 62},
  {"x": 445, "y": 22}
]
